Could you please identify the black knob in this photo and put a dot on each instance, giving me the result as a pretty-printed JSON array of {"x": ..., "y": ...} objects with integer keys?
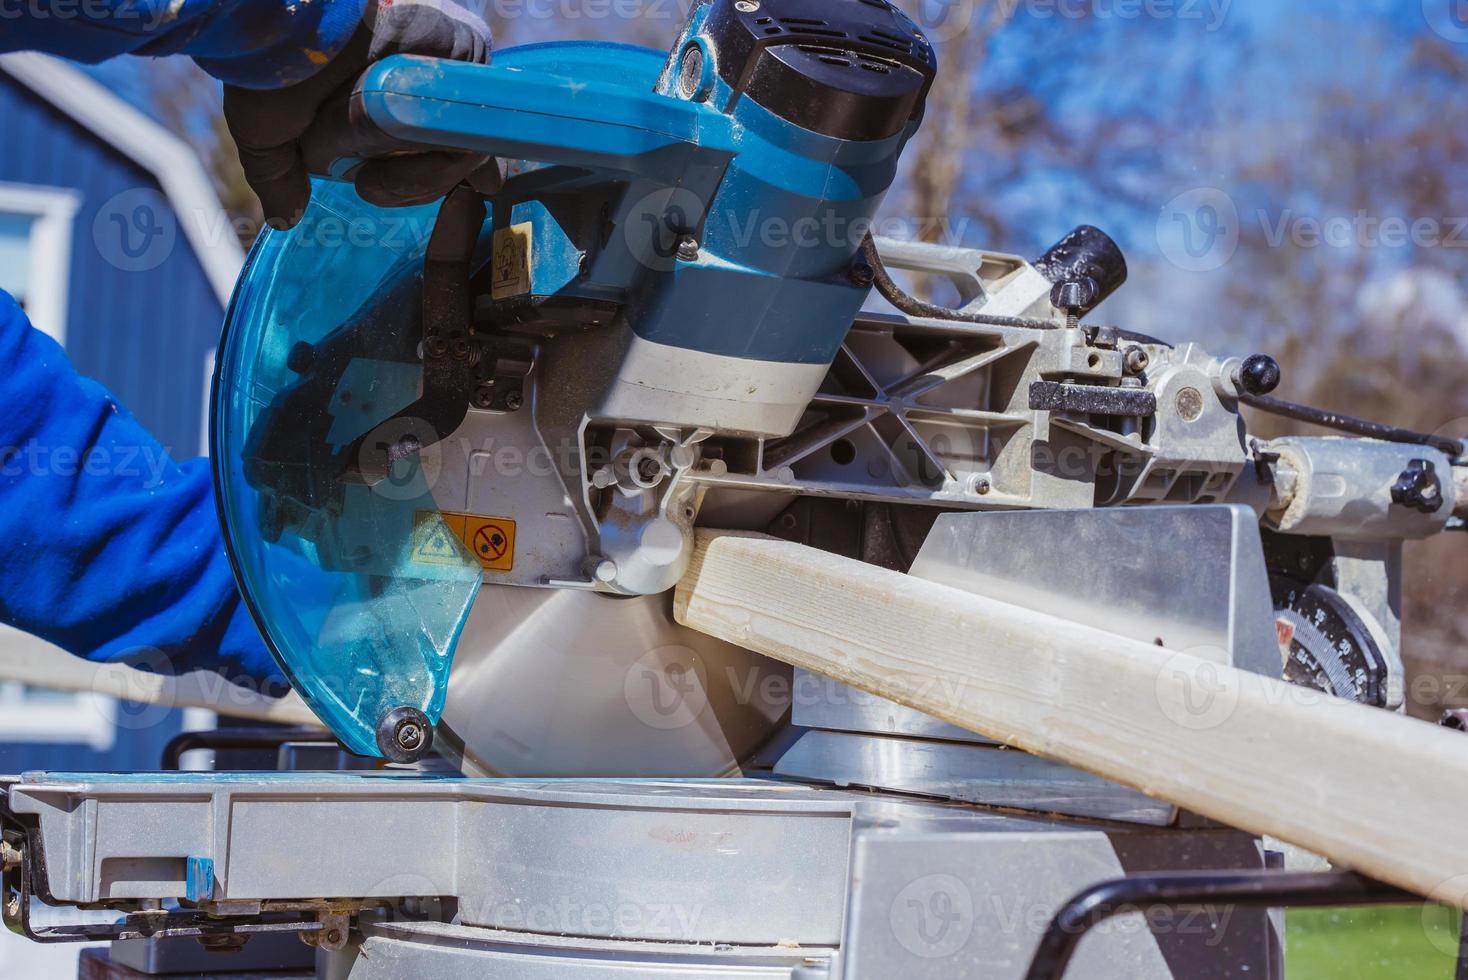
[
  {"x": 1258, "y": 375},
  {"x": 1419, "y": 487},
  {"x": 404, "y": 734},
  {"x": 1079, "y": 293}
]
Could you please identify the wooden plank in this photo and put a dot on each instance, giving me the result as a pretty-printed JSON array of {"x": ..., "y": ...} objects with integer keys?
[{"x": 1371, "y": 790}]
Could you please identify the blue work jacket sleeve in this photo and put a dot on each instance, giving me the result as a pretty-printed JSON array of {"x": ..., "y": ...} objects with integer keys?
[
  {"x": 112, "y": 550},
  {"x": 250, "y": 43}
]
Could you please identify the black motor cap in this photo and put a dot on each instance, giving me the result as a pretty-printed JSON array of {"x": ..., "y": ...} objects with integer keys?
[{"x": 849, "y": 69}]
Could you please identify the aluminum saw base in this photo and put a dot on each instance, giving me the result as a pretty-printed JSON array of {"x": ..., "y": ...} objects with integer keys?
[{"x": 630, "y": 878}]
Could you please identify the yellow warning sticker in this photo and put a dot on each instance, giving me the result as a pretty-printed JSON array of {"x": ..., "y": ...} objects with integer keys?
[
  {"x": 434, "y": 541},
  {"x": 440, "y": 537},
  {"x": 511, "y": 261},
  {"x": 492, "y": 539}
]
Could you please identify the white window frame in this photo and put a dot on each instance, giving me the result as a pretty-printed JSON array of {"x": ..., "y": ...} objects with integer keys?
[{"x": 48, "y": 276}]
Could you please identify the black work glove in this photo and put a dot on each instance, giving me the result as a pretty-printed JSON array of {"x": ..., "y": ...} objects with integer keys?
[{"x": 285, "y": 134}]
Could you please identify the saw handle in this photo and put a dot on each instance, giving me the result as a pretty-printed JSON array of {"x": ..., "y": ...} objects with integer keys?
[{"x": 545, "y": 115}]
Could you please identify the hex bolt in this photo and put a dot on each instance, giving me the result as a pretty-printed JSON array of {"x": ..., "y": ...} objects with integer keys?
[
  {"x": 688, "y": 248},
  {"x": 650, "y": 469},
  {"x": 1136, "y": 360}
]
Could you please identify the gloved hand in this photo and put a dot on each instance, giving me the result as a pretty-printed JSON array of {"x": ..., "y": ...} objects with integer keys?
[{"x": 285, "y": 134}]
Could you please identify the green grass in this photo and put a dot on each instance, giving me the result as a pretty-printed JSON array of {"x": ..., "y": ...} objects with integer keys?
[{"x": 1394, "y": 943}]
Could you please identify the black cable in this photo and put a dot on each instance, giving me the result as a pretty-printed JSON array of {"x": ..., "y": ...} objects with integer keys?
[
  {"x": 912, "y": 306},
  {"x": 1350, "y": 424}
]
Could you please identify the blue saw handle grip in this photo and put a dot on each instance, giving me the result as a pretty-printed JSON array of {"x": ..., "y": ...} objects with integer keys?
[{"x": 547, "y": 113}]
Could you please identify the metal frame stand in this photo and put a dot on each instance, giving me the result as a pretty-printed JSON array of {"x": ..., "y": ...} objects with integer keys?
[{"x": 1144, "y": 893}]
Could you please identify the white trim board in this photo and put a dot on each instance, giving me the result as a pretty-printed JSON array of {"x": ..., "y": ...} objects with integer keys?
[
  {"x": 48, "y": 274},
  {"x": 170, "y": 160}
]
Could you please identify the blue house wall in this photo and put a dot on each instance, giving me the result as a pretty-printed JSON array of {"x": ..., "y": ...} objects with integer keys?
[{"x": 146, "y": 334}]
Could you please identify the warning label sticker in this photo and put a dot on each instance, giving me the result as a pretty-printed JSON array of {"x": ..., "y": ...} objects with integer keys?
[
  {"x": 492, "y": 539},
  {"x": 433, "y": 541},
  {"x": 510, "y": 275},
  {"x": 440, "y": 537}
]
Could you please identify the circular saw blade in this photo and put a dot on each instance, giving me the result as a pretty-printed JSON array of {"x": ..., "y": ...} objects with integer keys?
[{"x": 567, "y": 682}]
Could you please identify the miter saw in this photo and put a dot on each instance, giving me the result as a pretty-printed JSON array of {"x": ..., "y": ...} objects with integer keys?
[{"x": 461, "y": 451}]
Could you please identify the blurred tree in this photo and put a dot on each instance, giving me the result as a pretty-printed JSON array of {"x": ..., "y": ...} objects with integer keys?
[
  {"x": 1374, "y": 323},
  {"x": 187, "y": 101},
  {"x": 953, "y": 121}
]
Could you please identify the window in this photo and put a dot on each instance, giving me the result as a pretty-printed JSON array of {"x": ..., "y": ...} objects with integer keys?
[
  {"x": 15, "y": 253},
  {"x": 35, "y": 714},
  {"x": 35, "y": 251}
]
